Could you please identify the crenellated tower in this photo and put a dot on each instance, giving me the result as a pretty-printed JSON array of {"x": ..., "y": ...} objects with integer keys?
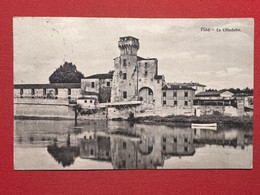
[{"x": 128, "y": 45}]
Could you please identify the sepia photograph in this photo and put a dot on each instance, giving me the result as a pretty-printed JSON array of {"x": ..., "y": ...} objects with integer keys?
[{"x": 131, "y": 93}]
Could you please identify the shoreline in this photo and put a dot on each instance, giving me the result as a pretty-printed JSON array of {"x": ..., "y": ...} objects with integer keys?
[
  {"x": 182, "y": 120},
  {"x": 179, "y": 120}
]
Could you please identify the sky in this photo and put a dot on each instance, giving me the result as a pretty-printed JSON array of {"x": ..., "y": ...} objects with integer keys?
[{"x": 184, "y": 52}]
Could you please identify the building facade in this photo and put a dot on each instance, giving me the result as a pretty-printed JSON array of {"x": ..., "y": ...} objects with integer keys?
[
  {"x": 100, "y": 84},
  {"x": 177, "y": 96},
  {"x": 48, "y": 91}
]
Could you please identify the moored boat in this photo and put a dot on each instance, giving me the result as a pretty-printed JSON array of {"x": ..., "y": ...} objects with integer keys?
[{"x": 197, "y": 125}]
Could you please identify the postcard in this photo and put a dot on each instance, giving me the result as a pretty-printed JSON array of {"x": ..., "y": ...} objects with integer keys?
[{"x": 130, "y": 93}]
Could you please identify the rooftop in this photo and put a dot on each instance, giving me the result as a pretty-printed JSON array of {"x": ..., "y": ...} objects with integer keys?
[
  {"x": 47, "y": 86},
  {"x": 128, "y": 37},
  {"x": 141, "y": 58},
  {"x": 209, "y": 93},
  {"x": 171, "y": 86},
  {"x": 100, "y": 76},
  {"x": 191, "y": 84}
]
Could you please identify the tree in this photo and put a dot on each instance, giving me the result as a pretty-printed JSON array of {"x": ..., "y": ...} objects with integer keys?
[
  {"x": 66, "y": 73},
  {"x": 77, "y": 109}
]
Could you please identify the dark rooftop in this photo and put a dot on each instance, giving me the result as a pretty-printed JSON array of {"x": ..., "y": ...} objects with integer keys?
[
  {"x": 47, "y": 86},
  {"x": 128, "y": 37},
  {"x": 89, "y": 93},
  {"x": 158, "y": 77},
  {"x": 141, "y": 58},
  {"x": 209, "y": 93},
  {"x": 100, "y": 76},
  {"x": 171, "y": 86}
]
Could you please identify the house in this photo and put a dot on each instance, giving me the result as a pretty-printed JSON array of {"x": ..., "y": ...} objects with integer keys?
[
  {"x": 100, "y": 84},
  {"x": 197, "y": 86},
  {"x": 177, "y": 95}
]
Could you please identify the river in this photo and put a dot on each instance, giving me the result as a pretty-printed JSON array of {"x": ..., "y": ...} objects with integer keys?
[{"x": 59, "y": 145}]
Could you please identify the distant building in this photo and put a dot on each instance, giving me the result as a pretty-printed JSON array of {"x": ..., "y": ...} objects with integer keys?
[
  {"x": 100, "y": 84},
  {"x": 215, "y": 98},
  {"x": 48, "y": 91},
  {"x": 177, "y": 95},
  {"x": 194, "y": 85}
]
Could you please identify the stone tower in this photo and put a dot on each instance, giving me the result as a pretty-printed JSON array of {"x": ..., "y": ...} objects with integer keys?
[
  {"x": 124, "y": 86},
  {"x": 128, "y": 46}
]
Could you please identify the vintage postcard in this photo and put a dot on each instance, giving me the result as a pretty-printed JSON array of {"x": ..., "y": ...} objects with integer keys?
[{"x": 129, "y": 93}]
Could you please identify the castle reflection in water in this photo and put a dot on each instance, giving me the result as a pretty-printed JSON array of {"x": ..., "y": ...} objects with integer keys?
[
  {"x": 125, "y": 145},
  {"x": 144, "y": 150}
]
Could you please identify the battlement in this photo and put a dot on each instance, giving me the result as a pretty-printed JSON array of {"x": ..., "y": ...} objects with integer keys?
[{"x": 128, "y": 45}]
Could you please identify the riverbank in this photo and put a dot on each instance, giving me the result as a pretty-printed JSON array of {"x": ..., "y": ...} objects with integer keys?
[
  {"x": 187, "y": 120},
  {"x": 181, "y": 120}
]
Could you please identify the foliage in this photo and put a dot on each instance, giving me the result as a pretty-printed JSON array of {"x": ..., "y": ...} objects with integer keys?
[
  {"x": 66, "y": 73},
  {"x": 236, "y": 91}
]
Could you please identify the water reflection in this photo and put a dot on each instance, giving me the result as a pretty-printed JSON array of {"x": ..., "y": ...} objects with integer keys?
[{"x": 126, "y": 145}]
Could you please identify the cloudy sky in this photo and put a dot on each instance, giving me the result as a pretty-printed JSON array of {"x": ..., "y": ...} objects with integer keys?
[{"x": 185, "y": 53}]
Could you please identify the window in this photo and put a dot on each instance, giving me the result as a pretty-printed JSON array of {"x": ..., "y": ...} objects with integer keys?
[
  {"x": 175, "y": 94},
  {"x": 164, "y": 139},
  {"x": 69, "y": 91},
  {"x": 108, "y": 84},
  {"x": 86, "y": 101},
  {"x": 107, "y": 153},
  {"x": 123, "y": 164},
  {"x": 90, "y": 101},
  {"x": 158, "y": 81},
  {"x": 186, "y": 94},
  {"x": 44, "y": 91},
  {"x": 91, "y": 152},
  {"x": 164, "y": 94},
  {"x": 175, "y": 103},
  {"x": 186, "y": 149},
  {"x": 124, "y": 76},
  {"x": 150, "y": 92},
  {"x": 124, "y": 94},
  {"x": 124, "y": 62},
  {"x": 185, "y": 140},
  {"x": 124, "y": 145},
  {"x": 92, "y": 84},
  {"x": 186, "y": 103},
  {"x": 164, "y": 147},
  {"x": 33, "y": 91},
  {"x": 145, "y": 73},
  {"x": 164, "y": 102},
  {"x": 145, "y": 65},
  {"x": 56, "y": 92},
  {"x": 21, "y": 91},
  {"x": 175, "y": 140}
]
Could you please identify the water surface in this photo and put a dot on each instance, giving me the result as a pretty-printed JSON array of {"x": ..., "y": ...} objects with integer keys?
[{"x": 59, "y": 145}]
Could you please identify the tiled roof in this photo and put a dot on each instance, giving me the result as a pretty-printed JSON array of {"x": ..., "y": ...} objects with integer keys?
[
  {"x": 100, "y": 76},
  {"x": 171, "y": 86},
  {"x": 47, "y": 86}
]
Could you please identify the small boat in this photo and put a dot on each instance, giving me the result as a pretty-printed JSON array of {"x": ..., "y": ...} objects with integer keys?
[{"x": 198, "y": 125}]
